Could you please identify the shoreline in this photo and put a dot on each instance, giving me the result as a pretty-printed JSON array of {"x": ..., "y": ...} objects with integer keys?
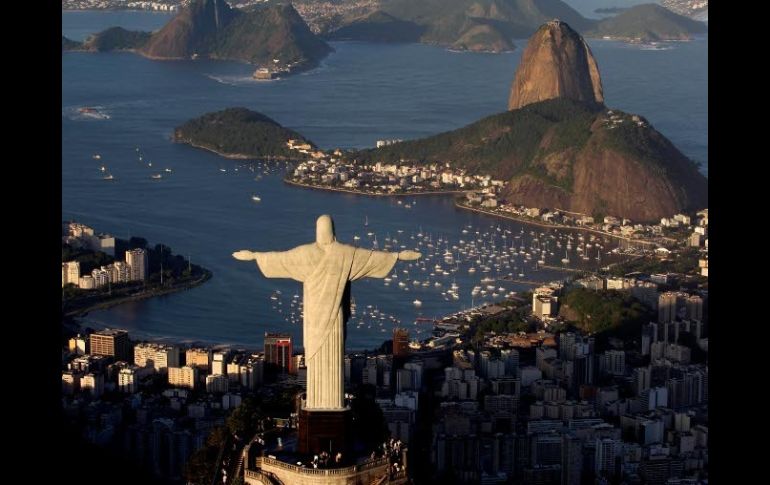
[
  {"x": 230, "y": 156},
  {"x": 372, "y": 194},
  {"x": 460, "y": 205},
  {"x": 306, "y": 67},
  {"x": 549, "y": 226},
  {"x": 141, "y": 296},
  {"x": 637, "y": 41}
]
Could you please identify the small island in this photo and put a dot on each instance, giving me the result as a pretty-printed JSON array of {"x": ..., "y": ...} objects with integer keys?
[
  {"x": 99, "y": 271},
  {"x": 240, "y": 133}
]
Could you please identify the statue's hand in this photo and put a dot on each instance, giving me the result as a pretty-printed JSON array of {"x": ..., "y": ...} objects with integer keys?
[
  {"x": 244, "y": 255},
  {"x": 409, "y": 255}
]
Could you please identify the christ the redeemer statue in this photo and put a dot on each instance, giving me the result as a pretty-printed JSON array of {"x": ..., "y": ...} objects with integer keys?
[{"x": 325, "y": 268}]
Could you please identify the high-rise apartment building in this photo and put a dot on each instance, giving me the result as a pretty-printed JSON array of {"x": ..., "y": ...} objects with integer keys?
[
  {"x": 694, "y": 307},
  {"x": 667, "y": 307},
  {"x": 111, "y": 342},
  {"x": 400, "y": 342},
  {"x": 157, "y": 356},
  {"x": 278, "y": 350},
  {"x": 186, "y": 376},
  {"x": 200, "y": 358},
  {"x": 607, "y": 450},
  {"x": 70, "y": 273},
  {"x": 137, "y": 261}
]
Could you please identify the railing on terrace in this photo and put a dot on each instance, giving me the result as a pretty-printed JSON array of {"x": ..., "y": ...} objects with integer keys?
[{"x": 368, "y": 465}]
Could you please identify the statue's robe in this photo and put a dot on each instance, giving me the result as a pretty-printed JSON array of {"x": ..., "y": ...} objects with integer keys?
[{"x": 325, "y": 271}]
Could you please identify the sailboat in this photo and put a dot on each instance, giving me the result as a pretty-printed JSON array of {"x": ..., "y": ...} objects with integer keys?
[
  {"x": 565, "y": 259},
  {"x": 366, "y": 221}
]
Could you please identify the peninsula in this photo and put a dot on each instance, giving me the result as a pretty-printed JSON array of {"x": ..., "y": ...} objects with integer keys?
[
  {"x": 560, "y": 147},
  {"x": 648, "y": 22},
  {"x": 100, "y": 271}
]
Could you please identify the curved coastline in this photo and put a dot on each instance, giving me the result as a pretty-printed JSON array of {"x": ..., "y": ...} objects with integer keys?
[
  {"x": 143, "y": 295},
  {"x": 460, "y": 205},
  {"x": 232, "y": 156},
  {"x": 372, "y": 194},
  {"x": 512, "y": 217}
]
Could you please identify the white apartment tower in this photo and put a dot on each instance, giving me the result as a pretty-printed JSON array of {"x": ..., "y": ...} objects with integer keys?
[{"x": 136, "y": 259}]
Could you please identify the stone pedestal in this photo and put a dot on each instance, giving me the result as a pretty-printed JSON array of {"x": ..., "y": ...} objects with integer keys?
[{"x": 321, "y": 430}]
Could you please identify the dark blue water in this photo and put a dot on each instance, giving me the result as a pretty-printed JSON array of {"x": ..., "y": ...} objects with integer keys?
[{"x": 361, "y": 93}]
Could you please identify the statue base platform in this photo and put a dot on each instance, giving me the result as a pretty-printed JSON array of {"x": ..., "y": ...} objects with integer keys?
[{"x": 324, "y": 430}]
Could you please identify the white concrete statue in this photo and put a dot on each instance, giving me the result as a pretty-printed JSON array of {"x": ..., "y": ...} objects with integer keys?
[{"x": 325, "y": 268}]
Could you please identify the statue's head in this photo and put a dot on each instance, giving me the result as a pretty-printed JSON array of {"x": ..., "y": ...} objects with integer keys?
[{"x": 324, "y": 230}]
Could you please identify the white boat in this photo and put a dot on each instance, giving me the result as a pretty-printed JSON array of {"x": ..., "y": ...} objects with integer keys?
[
  {"x": 167, "y": 170},
  {"x": 97, "y": 157},
  {"x": 256, "y": 198},
  {"x": 102, "y": 168},
  {"x": 417, "y": 303},
  {"x": 156, "y": 176},
  {"x": 565, "y": 259},
  {"x": 109, "y": 177}
]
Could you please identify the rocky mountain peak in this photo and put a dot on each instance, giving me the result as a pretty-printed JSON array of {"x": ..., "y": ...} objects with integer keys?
[{"x": 556, "y": 63}]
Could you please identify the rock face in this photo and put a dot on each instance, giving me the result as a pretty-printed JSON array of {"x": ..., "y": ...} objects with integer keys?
[
  {"x": 556, "y": 63},
  {"x": 273, "y": 35},
  {"x": 190, "y": 30},
  {"x": 624, "y": 168},
  {"x": 569, "y": 155},
  {"x": 482, "y": 37}
]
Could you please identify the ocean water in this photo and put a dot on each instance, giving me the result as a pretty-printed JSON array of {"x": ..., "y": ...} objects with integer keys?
[{"x": 361, "y": 93}]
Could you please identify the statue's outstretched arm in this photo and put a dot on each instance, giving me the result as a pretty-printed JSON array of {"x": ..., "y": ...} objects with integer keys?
[
  {"x": 245, "y": 255},
  {"x": 295, "y": 263},
  {"x": 409, "y": 255}
]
